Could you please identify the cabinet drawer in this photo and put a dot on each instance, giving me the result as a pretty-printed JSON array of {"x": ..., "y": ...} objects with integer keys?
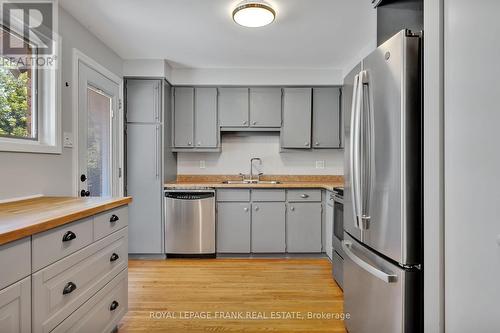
[
  {"x": 17, "y": 257},
  {"x": 304, "y": 195},
  {"x": 268, "y": 195},
  {"x": 102, "y": 312},
  {"x": 235, "y": 195},
  {"x": 63, "y": 287},
  {"x": 15, "y": 307},
  {"x": 49, "y": 246},
  {"x": 110, "y": 221}
]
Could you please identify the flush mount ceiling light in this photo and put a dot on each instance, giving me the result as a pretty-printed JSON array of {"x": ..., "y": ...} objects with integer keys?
[{"x": 253, "y": 14}]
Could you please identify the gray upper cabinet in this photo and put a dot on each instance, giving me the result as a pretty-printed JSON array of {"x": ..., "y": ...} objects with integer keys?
[
  {"x": 265, "y": 107},
  {"x": 233, "y": 107},
  {"x": 268, "y": 227},
  {"x": 303, "y": 228},
  {"x": 326, "y": 118},
  {"x": 144, "y": 102},
  {"x": 233, "y": 227},
  {"x": 184, "y": 117},
  {"x": 206, "y": 133},
  {"x": 296, "y": 130}
]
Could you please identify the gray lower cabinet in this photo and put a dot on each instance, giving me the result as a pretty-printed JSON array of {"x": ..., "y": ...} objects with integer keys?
[
  {"x": 303, "y": 227},
  {"x": 265, "y": 107},
  {"x": 205, "y": 126},
  {"x": 328, "y": 237},
  {"x": 296, "y": 130},
  {"x": 268, "y": 227},
  {"x": 15, "y": 307},
  {"x": 183, "y": 117},
  {"x": 326, "y": 118},
  {"x": 233, "y": 227},
  {"x": 233, "y": 107}
]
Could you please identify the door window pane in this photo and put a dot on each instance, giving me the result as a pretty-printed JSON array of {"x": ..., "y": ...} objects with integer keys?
[{"x": 98, "y": 143}]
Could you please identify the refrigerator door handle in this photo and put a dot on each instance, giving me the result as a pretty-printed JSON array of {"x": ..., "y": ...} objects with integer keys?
[
  {"x": 353, "y": 151},
  {"x": 387, "y": 278},
  {"x": 365, "y": 105}
]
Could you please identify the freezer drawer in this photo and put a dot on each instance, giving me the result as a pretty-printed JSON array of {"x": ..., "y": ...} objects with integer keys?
[{"x": 378, "y": 295}]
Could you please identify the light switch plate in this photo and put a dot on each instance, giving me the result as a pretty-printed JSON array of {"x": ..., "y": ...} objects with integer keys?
[
  {"x": 202, "y": 164},
  {"x": 320, "y": 164},
  {"x": 68, "y": 140}
]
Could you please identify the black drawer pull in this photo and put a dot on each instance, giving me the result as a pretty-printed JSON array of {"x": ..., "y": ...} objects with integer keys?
[
  {"x": 114, "y": 257},
  {"x": 113, "y": 218},
  {"x": 68, "y": 236},
  {"x": 69, "y": 288},
  {"x": 113, "y": 306}
]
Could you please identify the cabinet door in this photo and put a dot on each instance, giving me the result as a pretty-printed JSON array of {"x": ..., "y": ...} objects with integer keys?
[
  {"x": 233, "y": 107},
  {"x": 206, "y": 117},
  {"x": 183, "y": 117},
  {"x": 303, "y": 227},
  {"x": 268, "y": 227},
  {"x": 328, "y": 225},
  {"x": 15, "y": 307},
  {"x": 265, "y": 107},
  {"x": 233, "y": 227},
  {"x": 144, "y": 184},
  {"x": 326, "y": 118},
  {"x": 296, "y": 131},
  {"x": 143, "y": 101}
]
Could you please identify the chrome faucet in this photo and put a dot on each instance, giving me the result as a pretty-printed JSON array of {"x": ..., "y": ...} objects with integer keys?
[{"x": 251, "y": 167}]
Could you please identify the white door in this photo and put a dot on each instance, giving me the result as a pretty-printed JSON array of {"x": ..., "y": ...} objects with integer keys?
[{"x": 98, "y": 133}]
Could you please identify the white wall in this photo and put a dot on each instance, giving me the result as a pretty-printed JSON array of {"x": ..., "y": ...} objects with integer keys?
[
  {"x": 23, "y": 174},
  {"x": 237, "y": 149},
  {"x": 472, "y": 165}
]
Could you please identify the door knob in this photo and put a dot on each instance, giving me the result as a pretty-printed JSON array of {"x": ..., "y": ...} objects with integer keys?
[
  {"x": 257, "y": 208},
  {"x": 316, "y": 143},
  {"x": 306, "y": 144},
  {"x": 84, "y": 193},
  {"x": 245, "y": 122},
  {"x": 245, "y": 209},
  {"x": 292, "y": 208},
  {"x": 254, "y": 123},
  {"x": 83, "y": 178}
]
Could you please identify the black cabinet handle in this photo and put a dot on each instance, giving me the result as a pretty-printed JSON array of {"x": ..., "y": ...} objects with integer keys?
[
  {"x": 114, "y": 257},
  {"x": 113, "y": 306},
  {"x": 113, "y": 218},
  {"x": 69, "y": 288},
  {"x": 68, "y": 236}
]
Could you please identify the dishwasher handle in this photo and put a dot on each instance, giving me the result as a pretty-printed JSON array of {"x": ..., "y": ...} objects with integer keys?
[{"x": 189, "y": 195}]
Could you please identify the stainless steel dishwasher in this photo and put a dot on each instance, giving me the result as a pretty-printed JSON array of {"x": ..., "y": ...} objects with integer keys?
[{"x": 190, "y": 223}]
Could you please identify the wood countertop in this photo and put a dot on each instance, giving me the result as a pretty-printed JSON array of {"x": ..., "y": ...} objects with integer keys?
[
  {"x": 286, "y": 181},
  {"x": 22, "y": 218}
]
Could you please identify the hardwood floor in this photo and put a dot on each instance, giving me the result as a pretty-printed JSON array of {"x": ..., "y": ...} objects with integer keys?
[{"x": 232, "y": 295}]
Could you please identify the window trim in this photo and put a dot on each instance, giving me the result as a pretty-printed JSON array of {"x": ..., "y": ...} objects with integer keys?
[{"x": 48, "y": 107}]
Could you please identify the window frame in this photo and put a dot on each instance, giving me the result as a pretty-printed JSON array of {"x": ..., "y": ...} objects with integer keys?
[{"x": 48, "y": 113}]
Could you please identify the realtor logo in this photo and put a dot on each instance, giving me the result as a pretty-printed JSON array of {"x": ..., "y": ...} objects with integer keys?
[
  {"x": 34, "y": 21},
  {"x": 29, "y": 33}
]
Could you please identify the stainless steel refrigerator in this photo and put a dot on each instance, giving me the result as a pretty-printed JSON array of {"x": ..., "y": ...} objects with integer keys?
[{"x": 383, "y": 189}]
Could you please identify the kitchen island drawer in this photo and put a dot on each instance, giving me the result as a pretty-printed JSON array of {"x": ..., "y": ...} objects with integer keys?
[
  {"x": 276, "y": 195},
  {"x": 304, "y": 195},
  {"x": 110, "y": 221},
  {"x": 234, "y": 195},
  {"x": 15, "y": 261},
  {"x": 54, "y": 244},
  {"x": 102, "y": 312},
  {"x": 63, "y": 287}
]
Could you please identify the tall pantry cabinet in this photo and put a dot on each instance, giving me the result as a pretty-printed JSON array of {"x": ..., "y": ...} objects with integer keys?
[{"x": 149, "y": 160}]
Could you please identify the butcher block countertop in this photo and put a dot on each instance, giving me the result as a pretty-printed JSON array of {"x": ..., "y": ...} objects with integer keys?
[
  {"x": 24, "y": 218},
  {"x": 285, "y": 181}
]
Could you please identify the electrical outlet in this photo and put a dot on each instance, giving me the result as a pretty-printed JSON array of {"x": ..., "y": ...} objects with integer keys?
[
  {"x": 320, "y": 164},
  {"x": 202, "y": 164},
  {"x": 68, "y": 140}
]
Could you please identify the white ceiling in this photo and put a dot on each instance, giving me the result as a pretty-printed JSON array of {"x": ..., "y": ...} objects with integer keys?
[{"x": 201, "y": 34}]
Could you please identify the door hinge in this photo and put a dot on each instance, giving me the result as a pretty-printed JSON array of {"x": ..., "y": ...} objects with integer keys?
[
  {"x": 120, "y": 104},
  {"x": 119, "y": 172}
]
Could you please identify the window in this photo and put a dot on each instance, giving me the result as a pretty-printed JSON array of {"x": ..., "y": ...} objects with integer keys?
[
  {"x": 30, "y": 119},
  {"x": 18, "y": 98}
]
